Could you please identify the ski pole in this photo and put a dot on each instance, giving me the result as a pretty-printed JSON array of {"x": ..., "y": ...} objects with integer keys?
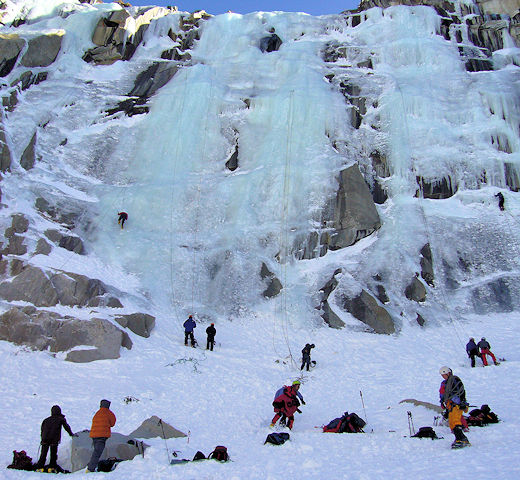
[
  {"x": 165, "y": 442},
  {"x": 363, "y": 403}
]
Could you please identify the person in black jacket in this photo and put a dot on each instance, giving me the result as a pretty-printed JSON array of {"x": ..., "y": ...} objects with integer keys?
[
  {"x": 51, "y": 436},
  {"x": 211, "y": 332},
  {"x": 306, "y": 355}
]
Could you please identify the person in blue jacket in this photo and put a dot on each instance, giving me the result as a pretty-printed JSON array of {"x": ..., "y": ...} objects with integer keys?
[
  {"x": 296, "y": 387},
  {"x": 189, "y": 325},
  {"x": 472, "y": 350}
]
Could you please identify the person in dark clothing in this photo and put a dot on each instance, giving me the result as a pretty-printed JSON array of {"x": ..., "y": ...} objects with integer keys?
[
  {"x": 472, "y": 350},
  {"x": 51, "y": 436},
  {"x": 123, "y": 217},
  {"x": 306, "y": 355},
  {"x": 485, "y": 349},
  {"x": 189, "y": 325},
  {"x": 211, "y": 332},
  {"x": 500, "y": 201}
]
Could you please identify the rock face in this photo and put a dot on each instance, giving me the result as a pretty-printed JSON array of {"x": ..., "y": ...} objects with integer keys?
[
  {"x": 415, "y": 291},
  {"x": 5, "y": 152},
  {"x": 43, "y": 330},
  {"x": 355, "y": 215},
  {"x": 328, "y": 315},
  {"x": 10, "y": 47},
  {"x": 44, "y": 289},
  {"x": 139, "y": 323},
  {"x": 42, "y": 50},
  {"x": 365, "y": 308},
  {"x": 118, "y": 35},
  {"x": 156, "y": 427},
  {"x": 28, "y": 157},
  {"x": 120, "y": 446},
  {"x": 274, "y": 286}
]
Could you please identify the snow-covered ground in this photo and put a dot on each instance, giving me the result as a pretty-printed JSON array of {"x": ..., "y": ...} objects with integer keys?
[{"x": 224, "y": 398}]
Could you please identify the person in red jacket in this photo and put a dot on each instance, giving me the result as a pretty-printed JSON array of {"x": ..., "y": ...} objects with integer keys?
[
  {"x": 103, "y": 420},
  {"x": 286, "y": 404}
]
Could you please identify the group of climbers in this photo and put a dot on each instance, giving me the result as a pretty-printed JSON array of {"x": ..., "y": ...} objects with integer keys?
[
  {"x": 190, "y": 324},
  {"x": 480, "y": 349},
  {"x": 100, "y": 431}
]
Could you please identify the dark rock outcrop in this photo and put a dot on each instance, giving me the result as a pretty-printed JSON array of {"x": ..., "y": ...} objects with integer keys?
[
  {"x": 328, "y": 315},
  {"x": 366, "y": 309},
  {"x": 139, "y": 323},
  {"x": 274, "y": 286},
  {"x": 427, "y": 265},
  {"x": 43, "y": 50},
  {"x": 41, "y": 330},
  {"x": 437, "y": 189},
  {"x": 10, "y": 47},
  {"x": 415, "y": 290},
  {"x": 5, "y": 152},
  {"x": 28, "y": 156}
]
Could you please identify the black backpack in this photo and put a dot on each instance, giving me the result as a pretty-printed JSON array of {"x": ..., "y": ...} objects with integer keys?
[
  {"x": 426, "y": 432},
  {"x": 277, "y": 438},
  {"x": 108, "y": 464},
  {"x": 348, "y": 423},
  {"x": 21, "y": 461},
  {"x": 220, "y": 454},
  {"x": 356, "y": 423},
  {"x": 199, "y": 456}
]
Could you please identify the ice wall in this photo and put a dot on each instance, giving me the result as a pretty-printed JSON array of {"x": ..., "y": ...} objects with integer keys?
[{"x": 386, "y": 89}]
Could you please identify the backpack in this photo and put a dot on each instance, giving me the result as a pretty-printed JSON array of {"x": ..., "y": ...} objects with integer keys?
[
  {"x": 21, "y": 461},
  {"x": 199, "y": 456},
  {"x": 348, "y": 423},
  {"x": 277, "y": 438},
  {"x": 479, "y": 417},
  {"x": 426, "y": 432},
  {"x": 108, "y": 464},
  {"x": 220, "y": 454}
]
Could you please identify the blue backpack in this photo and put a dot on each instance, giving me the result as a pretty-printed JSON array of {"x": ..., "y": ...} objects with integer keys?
[{"x": 277, "y": 438}]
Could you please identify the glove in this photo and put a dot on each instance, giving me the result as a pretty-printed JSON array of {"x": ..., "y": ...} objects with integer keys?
[{"x": 303, "y": 403}]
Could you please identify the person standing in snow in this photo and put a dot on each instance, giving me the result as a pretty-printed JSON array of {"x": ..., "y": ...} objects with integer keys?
[
  {"x": 485, "y": 349},
  {"x": 306, "y": 356},
  {"x": 102, "y": 422},
  {"x": 51, "y": 437},
  {"x": 472, "y": 351},
  {"x": 210, "y": 332},
  {"x": 453, "y": 400},
  {"x": 123, "y": 217},
  {"x": 296, "y": 386},
  {"x": 286, "y": 404},
  {"x": 189, "y": 325},
  {"x": 500, "y": 201}
]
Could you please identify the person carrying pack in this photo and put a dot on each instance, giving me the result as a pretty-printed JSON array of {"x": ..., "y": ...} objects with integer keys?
[
  {"x": 211, "y": 331},
  {"x": 286, "y": 404},
  {"x": 51, "y": 437},
  {"x": 453, "y": 399}
]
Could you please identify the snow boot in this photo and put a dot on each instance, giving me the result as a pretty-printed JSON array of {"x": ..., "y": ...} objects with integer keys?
[{"x": 461, "y": 440}]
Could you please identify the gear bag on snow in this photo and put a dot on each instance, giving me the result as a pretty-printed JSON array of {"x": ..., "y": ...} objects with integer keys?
[
  {"x": 108, "y": 464},
  {"x": 348, "y": 423},
  {"x": 479, "y": 417},
  {"x": 426, "y": 432},
  {"x": 21, "y": 461},
  {"x": 277, "y": 438},
  {"x": 220, "y": 454}
]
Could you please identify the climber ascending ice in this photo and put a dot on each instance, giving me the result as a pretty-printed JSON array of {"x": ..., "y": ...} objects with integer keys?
[{"x": 123, "y": 217}]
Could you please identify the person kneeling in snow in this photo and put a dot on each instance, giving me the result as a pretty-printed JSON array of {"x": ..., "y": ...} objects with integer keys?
[
  {"x": 453, "y": 399},
  {"x": 286, "y": 404}
]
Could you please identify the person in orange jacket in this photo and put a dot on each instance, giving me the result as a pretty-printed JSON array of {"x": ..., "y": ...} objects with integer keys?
[{"x": 100, "y": 432}]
